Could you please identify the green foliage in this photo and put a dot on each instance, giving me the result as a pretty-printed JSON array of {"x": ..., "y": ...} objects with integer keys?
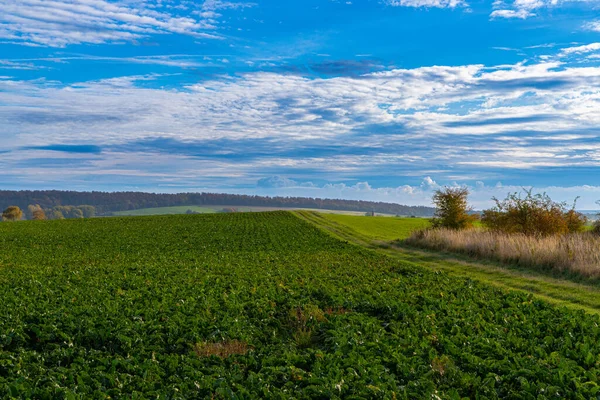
[
  {"x": 12, "y": 213},
  {"x": 265, "y": 306},
  {"x": 88, "y": 211},
  {"x": 71, "y": 212},
  {"x": 55, "y": 214},
  {"x": 533, "y": 214},
  {"x": 452, "y": 209},
  {"x": 380, "y": 228}
]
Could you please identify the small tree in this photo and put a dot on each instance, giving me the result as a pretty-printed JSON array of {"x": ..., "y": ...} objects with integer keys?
[
  {"x": 88, "y": 211},
  {"x": 12, "y": 213},
  {"x": 36, "y": 212},
  {"x": 55, "y": 213},
  {"x": 452, "y": 209},
  {"x": 39, "y": 215}
]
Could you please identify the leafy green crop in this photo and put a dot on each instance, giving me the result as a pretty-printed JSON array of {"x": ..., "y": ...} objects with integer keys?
[{"x": 265, "y": 306}]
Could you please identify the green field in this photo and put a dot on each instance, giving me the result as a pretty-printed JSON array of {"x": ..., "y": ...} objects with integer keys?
[
  {"x": 265, "y": 305},
  {"x": 381, "y": 228},
  {"x": 166, "y": 211}
]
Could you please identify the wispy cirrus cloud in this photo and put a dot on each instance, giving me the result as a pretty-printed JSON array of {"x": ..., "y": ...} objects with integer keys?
[
  {"x": 523, "y": 9},
  {"x": 169, "y": 60},
  {"x": 11, "y": 64},
  {"x": 520, "y": 14},
  {"x": 211, "y": 5},
  {"x": 427, "y": 3},
  {"x": 592, "y": 26},
  {"x": 58, "y": 23},
  {"x": 583, "y": 49},
  {"x": 85, "y": 149}
]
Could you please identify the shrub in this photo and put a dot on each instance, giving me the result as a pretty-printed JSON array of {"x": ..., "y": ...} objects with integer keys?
[
  {"x": 452, "y": 209},
  {"x": 596, "y": 228},
  {"x": 533, "y": 215},
  {"x": 12, "y": 213}
]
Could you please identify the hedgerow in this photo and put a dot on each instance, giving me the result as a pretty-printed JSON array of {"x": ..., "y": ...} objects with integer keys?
[{"x": 265, "y": 306}]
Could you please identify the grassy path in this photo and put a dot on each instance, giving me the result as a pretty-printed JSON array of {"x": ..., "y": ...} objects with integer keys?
[{"x": 558, "y": 291}]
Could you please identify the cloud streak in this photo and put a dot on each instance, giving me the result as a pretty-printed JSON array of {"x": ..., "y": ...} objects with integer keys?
[
  {"x": 523, "y": 9},
  {"x": 58, "y": 23},
  {"x": 427, "y": 3},
  {"x": 592, "y": 26}
]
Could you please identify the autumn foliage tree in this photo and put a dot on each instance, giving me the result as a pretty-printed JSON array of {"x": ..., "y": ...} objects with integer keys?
[
  {"x": 36, "y": 212},
  {"x": 533, "y": 214},
  {"x": 452, "y": 209},
  {"x": 12, "y": 213}
]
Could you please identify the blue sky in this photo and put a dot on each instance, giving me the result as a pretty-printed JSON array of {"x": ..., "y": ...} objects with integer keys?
[{"x": 376, "y": 99}]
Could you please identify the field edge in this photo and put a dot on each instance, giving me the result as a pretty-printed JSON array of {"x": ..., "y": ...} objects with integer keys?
[{"x": 557, "y": 291}]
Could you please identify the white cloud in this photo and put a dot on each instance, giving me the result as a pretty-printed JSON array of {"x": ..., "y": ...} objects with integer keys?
[
  {"x": 223, "y": 5},
  {"x": 523, "y": 9},
  {"x": 429, "y": 183},
  {"x": 427, "y": 3},
  {"x": 592, "y": 26},
  {"x": 276, "y": 182},
  {"x": 59, "y": 23},
  {"x": 588, "y": 48},
  {"x": 11, "y": 64},
  {"x": 521, "y": 14},
  {"x": 171, "y": 60}
]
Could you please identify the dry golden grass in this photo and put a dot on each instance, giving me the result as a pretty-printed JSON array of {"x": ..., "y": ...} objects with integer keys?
[
  {"x": 221, "y": 349},
  {"x": 577, "y": 252}
]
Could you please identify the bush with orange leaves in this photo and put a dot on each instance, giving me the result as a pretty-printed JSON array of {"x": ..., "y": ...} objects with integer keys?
[{"x": 533, "y": 215}]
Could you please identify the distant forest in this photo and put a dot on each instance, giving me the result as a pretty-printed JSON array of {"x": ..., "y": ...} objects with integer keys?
[{"x": 107, "y": 202}]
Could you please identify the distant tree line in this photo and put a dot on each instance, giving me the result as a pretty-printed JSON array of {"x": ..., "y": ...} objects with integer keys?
[{"x": 106, "y": 202}]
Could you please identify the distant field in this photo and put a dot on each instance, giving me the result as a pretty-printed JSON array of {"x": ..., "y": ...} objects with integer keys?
[
  {"x": 265, "y": 305},
  {"x": 381, "y": 228},
  {"x": 165, "y": 211},
  {"x": 213, "y": 209}
]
